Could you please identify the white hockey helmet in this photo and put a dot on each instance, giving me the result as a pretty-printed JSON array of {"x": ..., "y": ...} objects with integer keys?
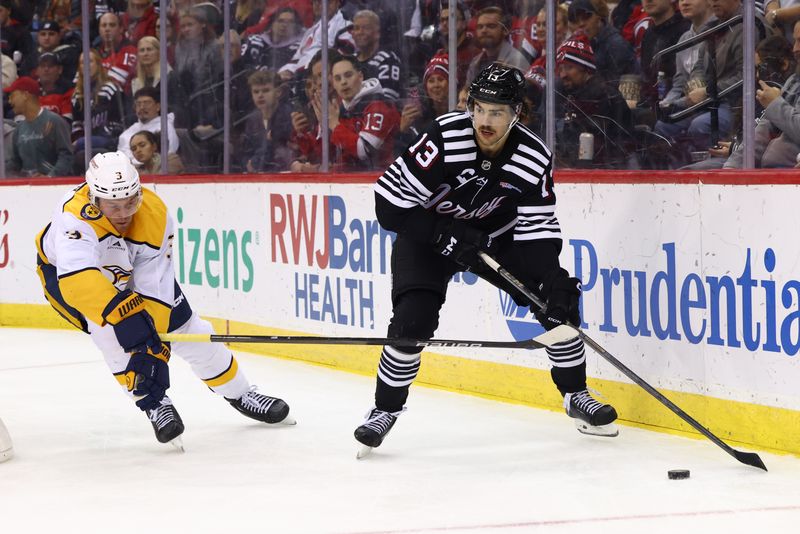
[{"x": 111, "y": 175}]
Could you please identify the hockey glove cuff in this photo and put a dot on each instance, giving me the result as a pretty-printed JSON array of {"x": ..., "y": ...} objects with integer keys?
[
  {"x": 562, "y": 295},
  {"x": 461, "y": 243},
  {"x": 133, "y": 326},
  {"x": 147, "y": 376}
]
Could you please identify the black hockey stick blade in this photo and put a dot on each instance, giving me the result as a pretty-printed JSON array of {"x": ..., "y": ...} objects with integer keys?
[
  {"x": 747, "y": 458},
  {"x": 750, "y": 458},
  {"x": 557, "y": 335}
]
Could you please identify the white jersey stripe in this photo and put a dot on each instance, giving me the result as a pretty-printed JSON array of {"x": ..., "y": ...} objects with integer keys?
[
  {"x": 457, "y": 133},
  {"x": 521, "y": 173},
  {"x": 393, "y": 198},
  {"x": 456, "y": 145},
  {"x": 448, "y": 158},
  {"x": 535, "y": 209}
]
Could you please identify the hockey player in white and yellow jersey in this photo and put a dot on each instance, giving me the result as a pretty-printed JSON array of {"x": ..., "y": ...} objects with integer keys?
[{"x": 105, "y": 261}]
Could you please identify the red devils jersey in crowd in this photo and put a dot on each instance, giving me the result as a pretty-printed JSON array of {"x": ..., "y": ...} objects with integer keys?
[
  {"x": 120, "y": 63},
  {"x": 364, "y": 137},
  {"x": 58, "y": 101}
]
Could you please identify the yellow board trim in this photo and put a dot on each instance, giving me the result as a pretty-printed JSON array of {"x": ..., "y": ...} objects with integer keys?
[{"x": 738, "y": 423}]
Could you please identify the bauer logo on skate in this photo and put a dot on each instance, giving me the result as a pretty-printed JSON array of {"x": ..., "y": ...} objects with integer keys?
[
  {"x": 334, "y": 255},
  {"x": 747, "y": 308}
]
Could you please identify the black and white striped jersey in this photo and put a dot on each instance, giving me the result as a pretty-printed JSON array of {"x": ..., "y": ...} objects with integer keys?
[
  {"x": 444, "y": 174},
  {"x": 387, "y": 68}
]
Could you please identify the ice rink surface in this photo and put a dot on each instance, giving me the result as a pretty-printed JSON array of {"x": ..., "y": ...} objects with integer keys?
[{"x": 87, "y": 461}]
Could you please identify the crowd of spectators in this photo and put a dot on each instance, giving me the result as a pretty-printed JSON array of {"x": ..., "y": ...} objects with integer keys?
[{"x": 618, "y": 102}]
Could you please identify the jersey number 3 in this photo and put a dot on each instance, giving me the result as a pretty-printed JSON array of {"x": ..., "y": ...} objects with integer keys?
[{"x": 427, "y": 154}]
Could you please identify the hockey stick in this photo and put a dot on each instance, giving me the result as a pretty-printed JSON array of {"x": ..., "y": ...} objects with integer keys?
[
  {"x": 749, "y": 458},
  {"x": 557, "y": 335}
]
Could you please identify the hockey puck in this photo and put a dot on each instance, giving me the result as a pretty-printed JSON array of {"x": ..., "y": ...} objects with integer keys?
[{"x": 678, "y": 474}]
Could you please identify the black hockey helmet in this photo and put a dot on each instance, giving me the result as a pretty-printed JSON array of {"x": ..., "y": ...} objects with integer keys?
[{"x": 498, "y": 84}]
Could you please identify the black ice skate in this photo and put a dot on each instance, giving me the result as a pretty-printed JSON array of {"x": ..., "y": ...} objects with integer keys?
[
  {"x": 262, "y": 408},
  {"x": 376, "y": 426},
  {"x": 591, "y": 417},
  {"x": 167, "y": 424}
]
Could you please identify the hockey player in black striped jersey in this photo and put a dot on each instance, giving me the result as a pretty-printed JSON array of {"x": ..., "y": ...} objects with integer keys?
[{"x": 476, "y": 181}]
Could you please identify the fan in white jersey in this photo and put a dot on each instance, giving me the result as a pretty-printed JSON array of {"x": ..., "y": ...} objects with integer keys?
[
  {"x": 476, "y": 181},
  {"x": 105, "y": 262}
]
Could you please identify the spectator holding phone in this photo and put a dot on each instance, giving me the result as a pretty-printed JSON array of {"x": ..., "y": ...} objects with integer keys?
[
  {"x": 364, "y": 125},
  {"x": 419, "y": 110}
]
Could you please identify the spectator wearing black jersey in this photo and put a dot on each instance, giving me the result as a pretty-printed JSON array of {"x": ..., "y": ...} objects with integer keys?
[
  {"x": 275, "y": 46},
  {"x": 472, "y": 183},
  {"x": 374, "y": 61}
]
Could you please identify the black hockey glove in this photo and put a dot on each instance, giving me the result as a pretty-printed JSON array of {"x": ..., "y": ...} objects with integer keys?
[
  {"x": 147, "y": 376},
  {"x": 133, "y": 326},
  {"x": 461, "y": 243},
  {"x": 562, "y": 295}
]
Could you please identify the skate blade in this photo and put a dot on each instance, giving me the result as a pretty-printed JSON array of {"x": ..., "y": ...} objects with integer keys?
[
  {"x": 288, "y": 421},
  {"x": 178, "y": 444},
  {"x": 607, "y": 431},
  {"x": 363, "y": 452}
]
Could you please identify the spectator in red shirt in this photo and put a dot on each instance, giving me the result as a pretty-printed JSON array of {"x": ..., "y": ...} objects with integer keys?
[
  {"x": 139, "y": 20},
  {"x": 118, "y": 54},
  {"x": 363, "y": 127},
  {"x": 56, "y": 95}
]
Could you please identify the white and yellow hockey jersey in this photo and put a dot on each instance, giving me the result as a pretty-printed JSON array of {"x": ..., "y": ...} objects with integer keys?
[{"x": 84, "y": 260}]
